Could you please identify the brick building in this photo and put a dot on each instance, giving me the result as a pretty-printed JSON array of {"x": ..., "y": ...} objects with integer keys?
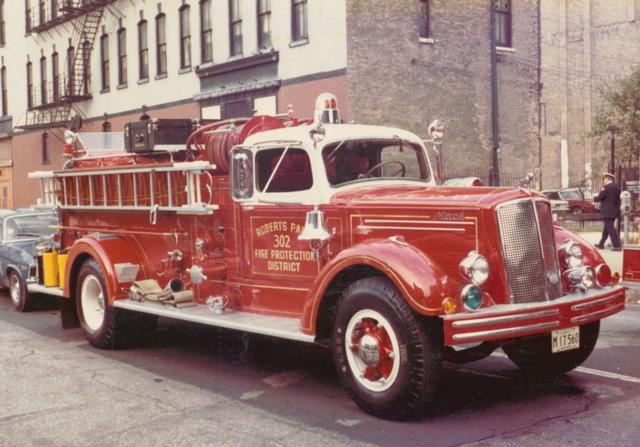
[
  {"x": 585, "y": 43},
  {"x": 410, "y": 61}
]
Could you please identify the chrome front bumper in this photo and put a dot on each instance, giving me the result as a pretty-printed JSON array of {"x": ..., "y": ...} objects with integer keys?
[{"x": 506, "y": 321}]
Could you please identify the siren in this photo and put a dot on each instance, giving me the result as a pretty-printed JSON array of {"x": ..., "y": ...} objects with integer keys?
[{"x": 326, "y": 110}]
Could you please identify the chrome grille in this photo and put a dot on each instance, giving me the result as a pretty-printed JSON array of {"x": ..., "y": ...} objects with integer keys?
[{"x": 528, "y": 248}]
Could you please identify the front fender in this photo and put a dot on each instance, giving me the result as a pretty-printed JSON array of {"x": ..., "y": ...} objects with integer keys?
[
  {"x": 423, "y": 283},
  {"x": 107, "y": 252},
  {"x": 590, "y": 255}
]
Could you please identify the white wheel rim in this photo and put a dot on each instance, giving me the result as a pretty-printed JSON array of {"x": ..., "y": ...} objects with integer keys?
[
  {"x": 371, "y": 324},
  {"x": 14, "y": 289},
  {"x": 92, "y": 300}
]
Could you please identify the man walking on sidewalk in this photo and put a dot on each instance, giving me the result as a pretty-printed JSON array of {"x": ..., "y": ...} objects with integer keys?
[{"x": 610, "y": 209}]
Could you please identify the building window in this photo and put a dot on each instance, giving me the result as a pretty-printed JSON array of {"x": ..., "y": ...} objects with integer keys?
[
  {"x": 55, "y": 72},
  {"x": 106, "y": 126},
  {"x": 235, "y": 28},
  {"x": 104, "y": 62},
  {"x": 299, "y": 30},
  {"x": 425, "y": 19},
  {"x": 70, "y": 71},
  {"x": 206, "y": 33},
  {"x": 27, "y": 15},
  {"x": 122, "y": 57},
  {"x": 86, "y": 67},
  {"x": 143, "y": 51},
  {"x": 42, "y": 11},
  {"x": 29, "y": 86},
  {"x": 502, "y": 24},
  {"x": 5, "y": 197},
  {"x": 185, "y": 37},
  {"x": 54, "y": 9},
  {"x": 43, "y": 80},
  {"x": 264, "y": 24},
  {"x": 3, "y": 82},
  {"x": 161, "y": 45},
  {"x": 2, "y": 33},
  {"x": 45, "y": 148}
]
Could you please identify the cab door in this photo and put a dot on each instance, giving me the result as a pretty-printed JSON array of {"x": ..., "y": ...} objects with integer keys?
[{"x": 277, "y": 265}]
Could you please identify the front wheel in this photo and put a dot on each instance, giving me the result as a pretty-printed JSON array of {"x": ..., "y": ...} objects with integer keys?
[
  {"x": 535, "y": 354},
  {"x": 388, "y": 360},
  {"x": 20, "y": 298}
]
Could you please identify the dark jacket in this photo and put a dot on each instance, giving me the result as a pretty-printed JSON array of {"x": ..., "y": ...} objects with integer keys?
[{"x": 610, "y": 198}]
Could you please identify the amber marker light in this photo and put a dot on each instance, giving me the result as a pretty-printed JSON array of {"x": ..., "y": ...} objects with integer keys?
[
  {"x": 449, "y": 305},
  {"x": 615, "y": 278}
]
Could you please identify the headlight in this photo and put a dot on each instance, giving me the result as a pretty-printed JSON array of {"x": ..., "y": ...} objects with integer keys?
[
  {"x": 581, "y": 277},
  {"x": 475, "y": 268},
  {"x": 588, "y": 278},
  {"x": 572, "y": 253}
]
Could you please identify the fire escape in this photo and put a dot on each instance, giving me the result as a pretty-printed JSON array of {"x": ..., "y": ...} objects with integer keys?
[{"x": 50, "y": 103}]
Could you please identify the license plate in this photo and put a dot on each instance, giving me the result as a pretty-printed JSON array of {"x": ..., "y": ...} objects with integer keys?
[{"x": 565, "y": 339}]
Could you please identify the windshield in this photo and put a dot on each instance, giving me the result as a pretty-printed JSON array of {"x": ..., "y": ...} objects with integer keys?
[
  {"x": 29, "y": 226},
  {"x": 363, "y": 160}
]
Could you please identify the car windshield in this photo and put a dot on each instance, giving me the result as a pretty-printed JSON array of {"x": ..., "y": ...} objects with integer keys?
[
  {"x": 29, "y": 226},
  {"x": 363, "y": 160}
]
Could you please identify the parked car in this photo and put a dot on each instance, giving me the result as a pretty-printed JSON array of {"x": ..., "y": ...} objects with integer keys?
[
  {"x": 579, "y": 200},
  {"x": 20, "y": 230}
]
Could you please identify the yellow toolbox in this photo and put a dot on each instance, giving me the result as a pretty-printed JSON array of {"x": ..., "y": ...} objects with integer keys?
[
  {"x": 50, "y": 267},
  {"x": 62, "y": 267}
]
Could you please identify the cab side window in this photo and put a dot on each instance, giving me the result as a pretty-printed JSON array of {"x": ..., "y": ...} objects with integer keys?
[{"x": 283, "y": 170}]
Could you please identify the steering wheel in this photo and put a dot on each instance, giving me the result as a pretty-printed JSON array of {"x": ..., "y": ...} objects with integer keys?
[{"x": 402, "y": 170}]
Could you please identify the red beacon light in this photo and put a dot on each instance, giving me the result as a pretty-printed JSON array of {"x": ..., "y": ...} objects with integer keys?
[{"x": 326, "y": 110}]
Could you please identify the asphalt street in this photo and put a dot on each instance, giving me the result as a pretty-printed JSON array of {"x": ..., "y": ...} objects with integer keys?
[{"x": 191, "y": 385}]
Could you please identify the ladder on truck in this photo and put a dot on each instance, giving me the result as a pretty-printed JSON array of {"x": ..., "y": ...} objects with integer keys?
[{"x": 176, "y": 187}]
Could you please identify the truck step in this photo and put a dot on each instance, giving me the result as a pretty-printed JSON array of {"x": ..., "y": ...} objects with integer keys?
[
  {"x": 38, "y": 288},
  {"x": 281, "y": 327}
]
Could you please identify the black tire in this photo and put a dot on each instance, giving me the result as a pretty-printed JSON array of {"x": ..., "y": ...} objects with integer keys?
[
  {"x": 576, "y": 210},
  {"x": 364, "y": 306},
  {"x": 534, "y": 355},
  {"x": 115, "y": 328},
  {"x": 20, "y": 298}
]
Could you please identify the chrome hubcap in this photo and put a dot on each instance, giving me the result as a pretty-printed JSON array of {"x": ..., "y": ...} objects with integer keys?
[
  {"x": 93, "y": 303},
  {"x": 371, "y": 348},
  {"x": 14, "y": 289}
]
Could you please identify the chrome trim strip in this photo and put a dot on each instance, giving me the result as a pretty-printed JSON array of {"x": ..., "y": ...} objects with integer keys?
[
  {"x": 38, "y": 288},
  {"x": 505, "y": 318},
  {"x": 389, "y": 227},
  {"x": 598, "y": 313},
  {"x": 443, "y": 222},
  {"x": 582, "y": 306},
  {"x": 281, "y": 327},
  {"x": 506, "y": 331}
]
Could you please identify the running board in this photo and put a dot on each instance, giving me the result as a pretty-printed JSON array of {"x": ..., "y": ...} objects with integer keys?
[
  {"x": 38, "y": 288},
  {"x": 281, "y": 327}
]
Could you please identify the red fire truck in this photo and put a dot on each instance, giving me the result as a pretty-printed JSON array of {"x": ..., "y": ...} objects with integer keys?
[{"x": 322, "y": 232}]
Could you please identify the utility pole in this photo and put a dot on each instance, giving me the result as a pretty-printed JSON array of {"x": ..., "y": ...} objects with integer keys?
[{"x": 495, "y": 169}]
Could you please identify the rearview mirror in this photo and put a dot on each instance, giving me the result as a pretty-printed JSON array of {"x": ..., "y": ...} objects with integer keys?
[{"x": 241, "y": 173}]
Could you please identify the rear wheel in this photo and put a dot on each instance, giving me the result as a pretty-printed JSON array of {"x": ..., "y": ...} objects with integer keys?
[
  {"x": 388, "y": 361},
  {"x": 535, "y": 354},
  {"x": 104, "y": 325},
  {"x": 20, "y": 297},
  {"x": 576, "y": 210}
]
